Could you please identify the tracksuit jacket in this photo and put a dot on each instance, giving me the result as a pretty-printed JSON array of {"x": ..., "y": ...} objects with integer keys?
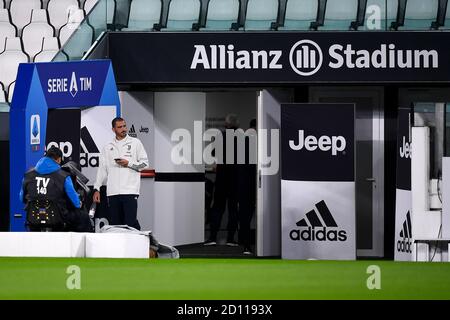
[{"x": 121, "y": 180}]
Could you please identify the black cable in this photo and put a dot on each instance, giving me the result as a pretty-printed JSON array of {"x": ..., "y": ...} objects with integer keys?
[
  {"x": 437, "y": 242},
  {"x": 438, "y": 191}
]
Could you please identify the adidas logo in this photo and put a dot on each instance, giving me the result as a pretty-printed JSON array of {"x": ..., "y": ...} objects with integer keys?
[
  {"x": 318, "y": 229},
  {"x": 405, "y": 244},
  {"x": 132, "y": 132},
  {"x": 89, "y": 156}
]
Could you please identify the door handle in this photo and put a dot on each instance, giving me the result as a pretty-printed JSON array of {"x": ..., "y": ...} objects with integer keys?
[
  {"x": 259, "y": 179},
  {"x": 370, "y": 180}
]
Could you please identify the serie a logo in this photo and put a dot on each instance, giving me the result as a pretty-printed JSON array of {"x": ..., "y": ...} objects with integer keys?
[{"x": 316, "y": 230}]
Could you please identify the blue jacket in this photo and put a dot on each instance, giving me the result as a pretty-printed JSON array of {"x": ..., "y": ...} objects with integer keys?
[{"x": 46, "y": 166}]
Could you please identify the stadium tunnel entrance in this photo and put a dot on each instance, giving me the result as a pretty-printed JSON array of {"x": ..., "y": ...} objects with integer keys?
[
  {"x": 173, "y": 77},
  {"x": 175, "y": 205}
]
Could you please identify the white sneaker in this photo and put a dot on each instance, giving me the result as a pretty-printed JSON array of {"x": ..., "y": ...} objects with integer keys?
[{"x": 210, "y": 243}]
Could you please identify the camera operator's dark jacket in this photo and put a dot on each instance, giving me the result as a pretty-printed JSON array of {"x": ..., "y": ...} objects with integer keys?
[{"x": 58, "y": 188}]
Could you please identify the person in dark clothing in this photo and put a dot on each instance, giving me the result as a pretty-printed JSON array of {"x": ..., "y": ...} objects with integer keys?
[
  {"x": 47, "y": 183},
  {"x": 225, "y": 193},
  {"x": 247, "y": 192}
]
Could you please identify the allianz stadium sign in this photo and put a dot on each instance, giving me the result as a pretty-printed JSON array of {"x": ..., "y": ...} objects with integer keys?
[
  {"x": 274, "y": 57},
  {"x": 306, "y": 54}
]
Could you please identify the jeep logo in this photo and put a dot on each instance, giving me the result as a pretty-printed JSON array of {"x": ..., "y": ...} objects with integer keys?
[
  {"x": 405, "y": 149},
  {"x": 324, "y": 143}
]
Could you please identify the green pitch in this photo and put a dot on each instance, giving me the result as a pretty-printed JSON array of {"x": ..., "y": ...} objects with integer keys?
[{"x": 227, "y": 279}]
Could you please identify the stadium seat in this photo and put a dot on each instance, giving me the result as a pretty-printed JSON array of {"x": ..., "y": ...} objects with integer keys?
[
  {"x": 339, "y": 14},
  {"x": 89, "y": 5},
  {"x": 10, "y": 59},
  {"x": 100, "y": 15},
  {"x": 388, "y": 14},
  {"x": 20, "y": 11},
  {"x": 2, "y": 94},
  {"x": 260, "y": 14},
  {"x": 143, "y": 15},
  {"x": 300, "y": 14},
  {"x": 221, "y": 14},
  {"x": 34, "y": 32},
  {"x": 11, "y": 91},
  {"x": 182, "y": 15},
  {"x": 76, "y": 36},
  {"x": 49, "y": 51},
  {"x": 121, "y": 13},
  {"x": 59, "y": 10},
  {"x": 7, "y": 30},
  {"x": 420, "y": 14},
  {"x": 446, "y": 25},
  {"x": 110, "y": 10}
]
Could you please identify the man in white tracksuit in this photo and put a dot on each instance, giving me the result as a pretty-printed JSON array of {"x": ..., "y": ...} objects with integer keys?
[{"x": 121, "y": 161}]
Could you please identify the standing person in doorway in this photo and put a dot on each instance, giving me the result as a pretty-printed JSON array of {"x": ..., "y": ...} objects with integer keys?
[
  {"x": 121, "y": 161},
  {"x": 247, "y": 190},
  {"x": 225, "y": 191}
]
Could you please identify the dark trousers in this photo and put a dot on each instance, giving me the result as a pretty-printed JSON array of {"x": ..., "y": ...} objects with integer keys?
[
  {"x": 224, "y": 195},
  {"x": 247, "y": 201},
  {"x": 78, "y": 220},
  {"x": 122, "y": 209},
  {"x": 246, "y": 210}
]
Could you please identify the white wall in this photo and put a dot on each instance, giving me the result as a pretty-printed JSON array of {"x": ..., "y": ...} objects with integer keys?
[
  {"x": 137, "y": 110},
  {"x": 179, "y": 206}
]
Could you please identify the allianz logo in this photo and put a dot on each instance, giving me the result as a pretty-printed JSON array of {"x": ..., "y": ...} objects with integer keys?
[
  {"x": 335, "y": 144},
  {"x": 405, "y": 149}
]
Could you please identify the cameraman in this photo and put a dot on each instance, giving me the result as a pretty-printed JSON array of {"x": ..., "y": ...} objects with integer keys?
[{"x": 47, "y": 181}]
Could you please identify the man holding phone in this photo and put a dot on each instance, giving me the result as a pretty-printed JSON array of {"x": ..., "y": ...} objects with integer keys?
[{"x": 121, "y": 161}]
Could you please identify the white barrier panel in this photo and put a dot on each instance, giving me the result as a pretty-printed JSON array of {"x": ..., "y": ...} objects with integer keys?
[
  {"x": 318, "y": 221},
  {"x": 42, "y": 244},
  {"x": 445, "y": 197},
  {"x": 403, "y": 226},
  {"x": 403, "y": 245},
  {"x": 318, "y": 214},
  {"x": 117, "y": 245}
]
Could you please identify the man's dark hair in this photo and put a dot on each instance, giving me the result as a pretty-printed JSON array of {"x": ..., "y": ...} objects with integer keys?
[
  {"x": 54, "y": 153},
  {"x": 115, "y": 120}
]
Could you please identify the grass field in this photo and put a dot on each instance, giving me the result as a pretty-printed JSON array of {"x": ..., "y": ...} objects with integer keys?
[{"x": 220, "y": 279}]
